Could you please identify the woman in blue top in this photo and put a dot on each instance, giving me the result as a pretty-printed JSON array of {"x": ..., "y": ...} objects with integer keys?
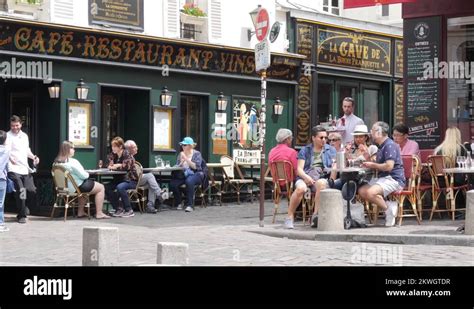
[
  {"x": 4, "y": 157},
  {"x": 65, "y": 158},
  {"x": 191, "y": 160}
]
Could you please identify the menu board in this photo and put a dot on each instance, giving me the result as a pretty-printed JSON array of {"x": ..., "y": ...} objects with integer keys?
[
  {"x": 79, "y": 123},
  {"x": 162, "y": 126},
  {"x": 422, "y": 109},
  {"x": 117, "y": 13}
]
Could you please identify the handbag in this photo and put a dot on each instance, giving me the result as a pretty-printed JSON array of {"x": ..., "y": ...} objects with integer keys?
[{"x": 10, "y": 185}]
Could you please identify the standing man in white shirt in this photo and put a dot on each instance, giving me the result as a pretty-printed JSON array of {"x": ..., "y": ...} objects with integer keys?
[
  {"x": 349, "y": 121},
  {"x": 18, "y": 169}
]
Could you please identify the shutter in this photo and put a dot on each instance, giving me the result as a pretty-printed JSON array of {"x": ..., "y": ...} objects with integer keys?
[
  {"x": 171, "y": 18},
  {"x": 62, "y": 11},
  {"x": 215, "y": 21}
]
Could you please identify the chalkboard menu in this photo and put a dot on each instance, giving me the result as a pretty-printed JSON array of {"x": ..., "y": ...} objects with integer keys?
[
  {"x": 422, "y": 109},
  {"x": 117, "y": 13}
]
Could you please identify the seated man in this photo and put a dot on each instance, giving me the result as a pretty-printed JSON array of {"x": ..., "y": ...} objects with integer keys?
[
  {"x": 312, "y": 159},
  {"x": 283, "y": 151},
  {"x": 147, "y": 181},
  {"x": 391, "y": 176}
]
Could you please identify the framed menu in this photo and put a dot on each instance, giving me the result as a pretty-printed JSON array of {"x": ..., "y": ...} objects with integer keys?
[
  {"x": 79, "y": 123},
  {"x": 162, "y": 128}
]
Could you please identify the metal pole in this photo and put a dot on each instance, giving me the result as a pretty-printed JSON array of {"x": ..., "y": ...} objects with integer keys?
[{"x": 263, "y": 96}]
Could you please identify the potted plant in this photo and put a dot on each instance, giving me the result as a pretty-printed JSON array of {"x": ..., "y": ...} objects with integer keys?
[{"x": 191, "y": 14}]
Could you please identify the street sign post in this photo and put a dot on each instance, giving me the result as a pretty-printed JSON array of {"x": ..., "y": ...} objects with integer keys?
[{"x": 262, "y": 55}]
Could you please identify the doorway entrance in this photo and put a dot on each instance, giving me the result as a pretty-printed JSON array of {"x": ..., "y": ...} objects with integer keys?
[
  {"x": 125, "y": 113},
  {"x": 194, "y": 121}
]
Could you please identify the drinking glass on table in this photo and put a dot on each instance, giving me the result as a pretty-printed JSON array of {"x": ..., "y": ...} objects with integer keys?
[
  {"x": 101, "y": 163},
  {"x": 167, "y": 164}
]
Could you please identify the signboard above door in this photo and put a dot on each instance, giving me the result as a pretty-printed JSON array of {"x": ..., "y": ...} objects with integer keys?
[
  {"x": 356, "y": 50},
  {"x": 117, "y": 13}
]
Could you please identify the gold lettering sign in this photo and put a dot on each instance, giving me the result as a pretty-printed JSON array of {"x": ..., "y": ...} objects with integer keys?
[
  {"x": 399, "y": 106},
  {"x": 399, "y": 58},
  {"x": 65, "y": 42},
  {"x": 342, "y": 48},
  {"x": 304, "y": 40},
  {"x": 303, "y": 111}
]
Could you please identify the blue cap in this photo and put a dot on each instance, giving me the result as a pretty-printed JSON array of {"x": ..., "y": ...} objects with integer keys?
[{"x": 187, "y": 141}]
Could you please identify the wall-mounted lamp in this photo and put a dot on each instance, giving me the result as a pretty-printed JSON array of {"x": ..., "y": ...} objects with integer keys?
[
  {"x": 253, "y": 16},
  {"x": 221, "y": 102},
  {"x": 277, "y": 107},
  {"x": 54, "y": 90},
  {"x": 82, "y": 90},
  {"x": 166, "y": 96}
]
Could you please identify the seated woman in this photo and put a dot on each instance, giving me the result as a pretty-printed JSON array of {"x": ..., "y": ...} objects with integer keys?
[
  {"x": 361, "y": 150},
  {"x": 81, "y": 177},
  {"x": 335, "y": 140},
  {"x": 191, "y": 160},
  {"x": 121, "y": 160},
  {"x": 452, "y": 147}
]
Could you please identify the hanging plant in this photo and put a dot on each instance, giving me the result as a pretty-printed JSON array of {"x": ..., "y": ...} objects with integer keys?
[{"x": 191, "y": 9}]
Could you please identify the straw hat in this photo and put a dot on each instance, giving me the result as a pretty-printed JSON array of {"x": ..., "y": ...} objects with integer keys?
[{"x": 361, "y": 129}]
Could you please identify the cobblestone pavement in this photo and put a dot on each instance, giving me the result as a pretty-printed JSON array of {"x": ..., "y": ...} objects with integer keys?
[{"x": 218, "y": 236}]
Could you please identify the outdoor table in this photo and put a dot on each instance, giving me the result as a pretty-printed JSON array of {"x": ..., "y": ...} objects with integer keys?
[
  {"x": 105, "y": 172},
  {"x": 249, "y": 165},
  {"x": 159, "y": 170}
]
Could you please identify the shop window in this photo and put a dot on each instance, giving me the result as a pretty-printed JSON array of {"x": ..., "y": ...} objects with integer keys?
[
  {"x": 3, "y": 5},
  {"x": 188, "y": 32},
  {"x": 460, "y": 105}
]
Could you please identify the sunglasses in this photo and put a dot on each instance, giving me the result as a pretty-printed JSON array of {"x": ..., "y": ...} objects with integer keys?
[
  {"x": 323, "y": 137},
  {"x": 333, "y": 140}
]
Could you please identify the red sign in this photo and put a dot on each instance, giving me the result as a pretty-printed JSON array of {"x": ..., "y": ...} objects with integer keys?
[
  {"x": 263, "y": 23},
  {"x": 350, "y": 4}
]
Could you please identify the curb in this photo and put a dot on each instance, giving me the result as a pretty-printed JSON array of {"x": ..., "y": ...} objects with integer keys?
[{"x": 401, "y": 239}]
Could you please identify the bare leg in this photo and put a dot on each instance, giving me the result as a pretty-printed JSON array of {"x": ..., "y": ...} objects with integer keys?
[
  {"x": 296, "y": 198},
  {"x": 98, "y": 191},
  {"x": 321, "y": 184},
  {"x": 373, "y": 194}
]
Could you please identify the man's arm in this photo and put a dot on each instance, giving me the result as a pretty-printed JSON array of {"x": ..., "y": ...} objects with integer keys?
[{"x": 383, "y": 167}]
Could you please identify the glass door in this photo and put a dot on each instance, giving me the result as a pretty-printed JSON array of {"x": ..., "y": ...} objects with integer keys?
[
  {"x": 194, "y": 121},
  {"x": 111, "y": 120}
]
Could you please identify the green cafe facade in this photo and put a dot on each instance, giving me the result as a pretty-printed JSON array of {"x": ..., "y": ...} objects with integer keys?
[{"x": 125, "y": 76}]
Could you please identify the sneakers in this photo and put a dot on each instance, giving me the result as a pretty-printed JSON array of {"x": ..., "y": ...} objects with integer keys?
[
  {"x": 314, "y": 221},
  {"x": 289, "y": 224},
  {"x": 391, "y": 213},
  {"x": 22, "y": 220},
  {"x": 3, "y": 228},
  {"x": 118, "y": 212},
  {"x": 150, "y": 208},
  {"x": 180, "y": 207},
  {"x": 128, "y": 214},
  {"x": 189, "y": 209}
]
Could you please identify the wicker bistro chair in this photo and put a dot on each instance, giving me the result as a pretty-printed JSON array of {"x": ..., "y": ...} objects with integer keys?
[
  {"x": 137, "y": 194},
  {"x": 62, "y": 178},
  {"x": 282, "y": 183},
  {"x": 411, "y": 167},
  {"x": 422, "y": 187},
  {"x": 443, "y": 183},
  {"x": 237, "y": 183}
]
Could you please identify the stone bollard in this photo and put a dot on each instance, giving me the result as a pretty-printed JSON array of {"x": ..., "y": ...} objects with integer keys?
[
  {"x": 469, "y": 227},
  {"x": 100, "y": 246},
  {"x": 330, "y": 215},
  {"x": 172, "y": 253}
]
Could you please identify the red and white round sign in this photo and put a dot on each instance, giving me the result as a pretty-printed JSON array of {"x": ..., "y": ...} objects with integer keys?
[{"x": 263, "y": 23}]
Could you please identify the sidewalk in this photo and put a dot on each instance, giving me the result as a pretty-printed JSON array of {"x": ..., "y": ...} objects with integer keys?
[{"x": 229, "y": 236}]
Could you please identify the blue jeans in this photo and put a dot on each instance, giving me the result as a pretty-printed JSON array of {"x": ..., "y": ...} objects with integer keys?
[
  {"x": 3, "y": 191},
  {"x": 121, "y": 188},
  {"x": 191, "y": 182}
]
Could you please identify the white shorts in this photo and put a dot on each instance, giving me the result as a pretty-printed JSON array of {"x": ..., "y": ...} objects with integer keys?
[
  {"x": 388, "y": 184},
  {"x": 313, "y": 188}
]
